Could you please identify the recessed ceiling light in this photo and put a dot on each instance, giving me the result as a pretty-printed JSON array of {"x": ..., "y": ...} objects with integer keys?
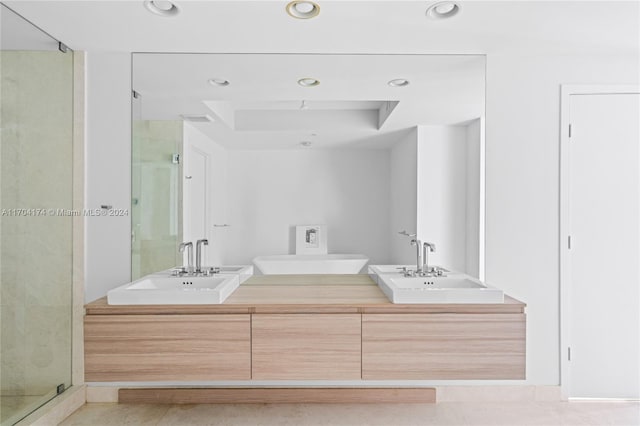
[
  {"x": 218, "y": 82},
  {"x": 308, "y": 82},
  {"x": 398, "y": 82},
  {"x": 442, "y": 10},
  {"x": 161, "y": 7},
  {"x": 303, "y": 9}
]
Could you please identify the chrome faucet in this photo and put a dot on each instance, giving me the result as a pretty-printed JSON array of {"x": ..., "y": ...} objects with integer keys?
[
  {"x": 419, "y": 265},
  {"x": 426, "y": 248},
  {"x": 422, "y": 259},
  {"x": 199, "y": 244},
  {"x": 418, "y": 244},
  {"x": 189, "y": 247}
]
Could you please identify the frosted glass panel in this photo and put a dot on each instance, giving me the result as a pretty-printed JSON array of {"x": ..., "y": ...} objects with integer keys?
[{"x": 36, "y": 241}]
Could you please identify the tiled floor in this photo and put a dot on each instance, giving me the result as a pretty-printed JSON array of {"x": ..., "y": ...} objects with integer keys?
[{"x": 444, "y": 413}]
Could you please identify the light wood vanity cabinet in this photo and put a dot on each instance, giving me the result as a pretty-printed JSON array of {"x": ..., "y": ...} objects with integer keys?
[
  {"x": 167, "y": 347},
  {"x": 306, "y": 347},
  {"x": 443, "y": 346},
  {"x": 318, "y": 327}
]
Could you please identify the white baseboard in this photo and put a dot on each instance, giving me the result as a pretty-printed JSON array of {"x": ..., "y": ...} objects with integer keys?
[
  {"x": 579, "y": 399},
  {"x": 517, "y": 393}
]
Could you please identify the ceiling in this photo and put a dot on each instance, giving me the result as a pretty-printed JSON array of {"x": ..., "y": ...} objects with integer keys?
[
  {"x": 598, "y": 27},
  {"x": 353, "y": 47},
  {"x": 18, "y": 34}
]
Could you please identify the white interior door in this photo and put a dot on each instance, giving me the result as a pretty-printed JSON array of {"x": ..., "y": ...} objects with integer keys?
[{"x": 604, "y": 254}]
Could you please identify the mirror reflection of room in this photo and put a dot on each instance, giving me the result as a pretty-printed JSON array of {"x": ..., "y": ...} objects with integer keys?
[{"x": 374, "y": 145}]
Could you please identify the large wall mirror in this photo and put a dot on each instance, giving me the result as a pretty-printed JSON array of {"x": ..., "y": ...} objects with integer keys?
[{"x": 241, "y": 148}]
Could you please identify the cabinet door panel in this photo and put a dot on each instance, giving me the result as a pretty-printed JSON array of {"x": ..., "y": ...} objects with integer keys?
[
  {"x": 299, "y": 346},
  {"x": 167, "y": 347},
  {"x": 443, "y": 346}
]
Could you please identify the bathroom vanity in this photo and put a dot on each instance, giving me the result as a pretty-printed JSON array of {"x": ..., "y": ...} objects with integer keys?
[{"x": 304, "y": 327}]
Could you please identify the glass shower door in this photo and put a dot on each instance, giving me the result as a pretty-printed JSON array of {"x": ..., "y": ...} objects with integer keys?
[
  {"x": 156, "y": 196},
  {"x": 36, "y": 95}
]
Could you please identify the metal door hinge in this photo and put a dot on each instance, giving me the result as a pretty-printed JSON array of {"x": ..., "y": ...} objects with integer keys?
[
  {"x": 569, "y": 242},
  {"x": 135, "y": 94},
  {"x": 569, "y": 353},
  {"x": 63, "y": 47},
  {"x": 569, "y": 130}
]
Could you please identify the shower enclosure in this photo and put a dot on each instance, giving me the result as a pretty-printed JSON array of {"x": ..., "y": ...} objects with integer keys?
[
  {"x": 36, "y": 159},
  {"x": 156, "y": 195}
]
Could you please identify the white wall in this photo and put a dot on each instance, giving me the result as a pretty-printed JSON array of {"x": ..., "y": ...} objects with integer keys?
[
  {"x": 435, "y": 192},
  {"x": 475, "y": 199},
  {"x": 403, "y": 198},
  {"x": 522, "y": 185},
  {"x": 107, "y": 171},
  {"x": 217, "y": 195},
  {"x": 270, "y": 192},
  {"x": 442, "y": 194}
]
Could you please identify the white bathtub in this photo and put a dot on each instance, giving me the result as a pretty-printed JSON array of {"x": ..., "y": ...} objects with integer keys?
[{"x": 311, "y": 264}]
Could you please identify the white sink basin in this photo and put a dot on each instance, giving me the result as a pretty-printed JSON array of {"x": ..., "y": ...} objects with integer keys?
[
  {"x": 452, "y": 288},
  {"x": 375, "y": 271},
  {"x": 419, "y": 283},
  {"x": 311, "y": 264},
  {"x": 244, "y": 272},
  {"x": 163, "y": 290},
  {"x": 388, "y": 269},
  {"x": 232, "y": 269}
]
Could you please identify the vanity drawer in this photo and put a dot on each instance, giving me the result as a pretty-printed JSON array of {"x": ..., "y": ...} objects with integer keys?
[
  {"x": 301, "y": 346},
  {"x": 167, "y": 347},
  {"x": 443, "y": 346}
]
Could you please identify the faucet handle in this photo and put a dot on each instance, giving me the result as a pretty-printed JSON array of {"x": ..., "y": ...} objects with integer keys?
[
  {"x": 431, "y": 246},
  {"x": 407, "y": 272},
  {"x": 406, "y": 234},
  {"x": 178, "y": 271}
]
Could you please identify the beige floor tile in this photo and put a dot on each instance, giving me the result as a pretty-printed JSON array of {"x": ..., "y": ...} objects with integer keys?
[
  {"x": 311, "y": 414},
  {"x": 597, "y": 414},
  {"x": 106, "y": 414},
  {"x": 441, "y": 414},
  {"x": 547, "y": 414}
]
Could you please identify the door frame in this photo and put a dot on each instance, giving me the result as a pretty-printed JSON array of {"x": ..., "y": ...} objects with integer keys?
[{"x": 565, "y": 275}]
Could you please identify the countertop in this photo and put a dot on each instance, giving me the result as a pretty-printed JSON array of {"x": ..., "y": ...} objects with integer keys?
[{"x": 306, "y": 294}]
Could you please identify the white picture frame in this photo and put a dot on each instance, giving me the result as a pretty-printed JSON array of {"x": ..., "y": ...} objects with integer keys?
[{"x": 311, "y": 239}]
